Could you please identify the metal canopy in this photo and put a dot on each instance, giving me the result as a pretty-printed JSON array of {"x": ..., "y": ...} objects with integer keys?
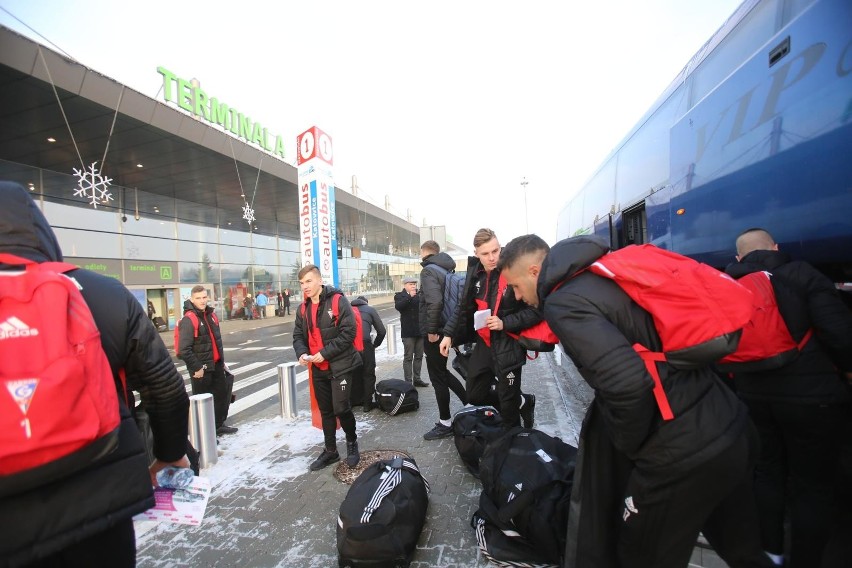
[{"x": 181, "y": 156}]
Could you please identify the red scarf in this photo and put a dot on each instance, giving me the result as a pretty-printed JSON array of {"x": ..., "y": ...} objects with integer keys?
[
  {"x": 216, "y": 355},
  {"x": 484, "y": 332},
  {"x": 315, "y": 343}
]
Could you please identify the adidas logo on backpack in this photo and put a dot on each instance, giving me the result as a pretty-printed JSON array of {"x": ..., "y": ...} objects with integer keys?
[{"x": 13, "y": 327}]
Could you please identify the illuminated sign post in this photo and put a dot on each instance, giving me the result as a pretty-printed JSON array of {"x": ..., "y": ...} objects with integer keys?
[{"x": 317, "y": 219}]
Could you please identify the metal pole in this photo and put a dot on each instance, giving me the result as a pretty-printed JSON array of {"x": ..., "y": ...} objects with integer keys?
[
  {"x": 202, "y": 428},
  {"x": 287, "y": 389},
  {"x": 391, "y": 339}
]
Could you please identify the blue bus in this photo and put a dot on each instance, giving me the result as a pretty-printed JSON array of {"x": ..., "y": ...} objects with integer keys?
[{"x": 755, "y": 131}]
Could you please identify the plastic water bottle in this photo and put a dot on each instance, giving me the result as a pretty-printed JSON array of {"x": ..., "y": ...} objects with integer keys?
[{"x": 171, "y": 477}]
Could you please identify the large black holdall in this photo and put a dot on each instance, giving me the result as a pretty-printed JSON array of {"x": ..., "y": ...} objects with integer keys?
[
  {"x": 396, "y": 396},
  {"x": 382, "y": 515},
  {"x": 473, "y": 428},
  {"x": 528, "y": 476},
  {"x": 501, "y": 543}
]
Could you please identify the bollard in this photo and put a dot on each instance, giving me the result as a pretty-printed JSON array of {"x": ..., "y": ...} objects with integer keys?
[
  {"x": 287, "y": 389},
  {"x": 391, "y": 339},
  {"x": 202, "y": 428}
]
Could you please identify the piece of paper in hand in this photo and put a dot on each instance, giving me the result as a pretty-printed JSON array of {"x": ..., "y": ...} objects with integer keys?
[{"x": 479, "y": 318}]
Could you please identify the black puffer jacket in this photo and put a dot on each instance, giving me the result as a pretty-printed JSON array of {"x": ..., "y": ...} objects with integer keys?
[
  {"x": 198, "y": 351},
  {"x": 338, "y": 334},
  {"x": 408, "y": 307},
  {"x": 52, "y": 517},
  {"x": 516, "y": 316},
  {"x": 597, "y": 324},
  {"x": 432, "y": 291},
  {"x": 807, "y": 299},
  {"x": 370, "y": 320}
]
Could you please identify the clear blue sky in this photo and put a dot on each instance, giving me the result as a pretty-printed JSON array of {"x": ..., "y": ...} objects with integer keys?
[{"x": 442, "y": 106}]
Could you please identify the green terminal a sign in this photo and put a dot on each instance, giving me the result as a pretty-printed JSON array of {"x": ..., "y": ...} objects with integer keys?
[{"x": 191, "y": 98}]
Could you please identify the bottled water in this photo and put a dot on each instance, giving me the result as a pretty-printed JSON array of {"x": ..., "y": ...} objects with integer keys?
[{"x": 171, "y": 477}]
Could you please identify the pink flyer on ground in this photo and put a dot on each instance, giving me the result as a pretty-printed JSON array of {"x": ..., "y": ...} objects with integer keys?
[{"x": 185, "y": 506}]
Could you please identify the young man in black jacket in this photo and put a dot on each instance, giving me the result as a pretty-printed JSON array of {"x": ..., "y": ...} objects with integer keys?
[
  {"x": 436, "y": 265},
  {"x": 644, "y": 487},
  {"x": 798, "y": 409},
  {"x": 407, "y": 303},
  {"x": 496, "y": 355},
  {"x": 86, "y": 518},
  {"x": 201, "y": 349},
  {"x": 324, "y": 342},
  {"x": 364, "y": 377}
]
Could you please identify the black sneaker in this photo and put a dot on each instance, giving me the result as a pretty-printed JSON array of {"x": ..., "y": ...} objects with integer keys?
[
  {"x": 439, "y": 431},
  {"x": 419, "y": 383},
  {"x": 352, "y": 454},
  {"x": 221, "y": 430},
  {"x": 368, "y": 406},
  {"x": 528, "y": 410},
  {"x": 326, "y": 458}
]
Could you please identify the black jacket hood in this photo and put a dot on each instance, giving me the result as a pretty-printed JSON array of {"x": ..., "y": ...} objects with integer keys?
[
  {"x": 24, "y": 231},
  {"x": 567, "y": 258},
  {"x": 359, "y": 301},
  {"x": 757, "y": 260},
  {"x": 441, "y": 259}
]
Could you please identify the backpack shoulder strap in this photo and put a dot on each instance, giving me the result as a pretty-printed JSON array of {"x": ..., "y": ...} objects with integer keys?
[
  {"x": 194, "y": 319},
  {"x": 335, "y": 306}
]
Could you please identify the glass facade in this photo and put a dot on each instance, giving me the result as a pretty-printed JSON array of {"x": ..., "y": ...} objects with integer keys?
[{"x": 165, "y": 249}]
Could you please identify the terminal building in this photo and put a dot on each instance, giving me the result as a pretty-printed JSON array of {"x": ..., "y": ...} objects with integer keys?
[{"x": 189, "y": 200}]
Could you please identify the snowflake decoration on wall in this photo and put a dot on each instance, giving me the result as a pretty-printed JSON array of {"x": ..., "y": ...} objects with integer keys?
[
  {"x": 92, "y": 185},
  {"x": 248, "y": 213}
]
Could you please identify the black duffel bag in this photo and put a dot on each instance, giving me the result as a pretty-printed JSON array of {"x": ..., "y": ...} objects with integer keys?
[
  {"x": 382, "y": 515},
  {"x": 528, "y": 476},
  {"x": 473, "y": 428},
  {"x": 501, "y": 543},
  {"x": 396, "y": 396}
]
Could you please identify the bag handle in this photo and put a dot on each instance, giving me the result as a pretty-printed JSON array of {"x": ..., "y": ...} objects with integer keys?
[{"x": 8, "y": 258}]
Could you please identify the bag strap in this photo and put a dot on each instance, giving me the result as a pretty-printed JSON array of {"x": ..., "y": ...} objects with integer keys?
[
  {"x": 651, "y": 358},
  {"x": 335, "y": 307},
  {"x": 8, "y": 258}
]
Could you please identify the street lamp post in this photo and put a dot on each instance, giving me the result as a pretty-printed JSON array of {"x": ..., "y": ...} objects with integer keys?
[{"x": 524, "y": 183}]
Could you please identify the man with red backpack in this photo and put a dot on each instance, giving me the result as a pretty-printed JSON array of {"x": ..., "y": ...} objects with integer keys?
[
  {"x": 199, "y": 345},
  {"x": 83, "y": 517},
  {"x": 323, "y": 340},
  {"x": 799, "y": 408},
  {"x": 645, "y": 486}
]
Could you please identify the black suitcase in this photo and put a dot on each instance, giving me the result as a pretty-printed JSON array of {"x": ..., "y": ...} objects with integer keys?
[
  {"x": 382, "y": 515},
  {"x": 396, "y": 396},
  {"x": 160, "y": 324},
  {"x": 473, "y": 428}
]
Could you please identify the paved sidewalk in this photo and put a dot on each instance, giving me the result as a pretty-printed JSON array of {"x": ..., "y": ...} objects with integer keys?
[{"x": 268, "y": 510}]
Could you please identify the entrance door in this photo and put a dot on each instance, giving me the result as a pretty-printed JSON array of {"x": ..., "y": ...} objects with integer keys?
[
  {"x": 157, "y": 303},
  {"x": 635, "y": 225}
]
